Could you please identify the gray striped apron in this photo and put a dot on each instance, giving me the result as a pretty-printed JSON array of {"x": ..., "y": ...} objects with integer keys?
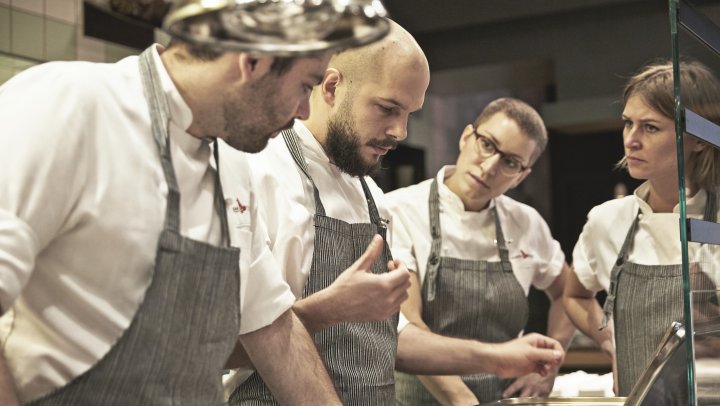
[
  {"x": 175, "y": 348},
  {"x": 360, "y": 357},
  {"x": 642, "y": 301},
  {"x": 478, "y": 300}
]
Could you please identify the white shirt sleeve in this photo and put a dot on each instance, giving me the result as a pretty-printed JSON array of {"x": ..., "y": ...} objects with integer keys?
[
  {"x": 42, "y": 175},
  {"x": 287, "y": 208},
  {"x": 402, "y": 244},
  {"x": 585, "y": 258},
  {"x": 551, "y": 258},
  {"x": 264, "y": 294}
]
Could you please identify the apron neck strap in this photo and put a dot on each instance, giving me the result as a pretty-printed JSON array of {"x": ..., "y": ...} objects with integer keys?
[
  {"x": 293, "y": 143},
  {"x": 219, "y": 197},
  {"x": 160, "y": 118},
  {"x": 436, "y": 229}
]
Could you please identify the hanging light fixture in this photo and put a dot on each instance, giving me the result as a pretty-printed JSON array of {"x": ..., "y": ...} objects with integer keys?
[{"x": 278, "y": 27}]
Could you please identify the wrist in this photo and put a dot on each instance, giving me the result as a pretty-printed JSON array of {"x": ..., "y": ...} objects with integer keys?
[
  {"x": 485, "y": 354},
  {"x": 313, "y": 311}
]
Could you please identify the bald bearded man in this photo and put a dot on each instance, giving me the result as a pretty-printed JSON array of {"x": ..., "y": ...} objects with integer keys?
[{"x": 322, "y": 210}]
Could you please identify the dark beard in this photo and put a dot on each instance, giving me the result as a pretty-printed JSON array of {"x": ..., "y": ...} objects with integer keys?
[
  {"x": 250, "y": 131},
  {"x": 343, "y": 148}
]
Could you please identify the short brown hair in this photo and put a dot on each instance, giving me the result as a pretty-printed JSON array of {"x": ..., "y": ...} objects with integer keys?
[
  {"x": 526, "y": 117},
  {"x": 206, "y": 53},
  {"x": 699, "y": 92}
]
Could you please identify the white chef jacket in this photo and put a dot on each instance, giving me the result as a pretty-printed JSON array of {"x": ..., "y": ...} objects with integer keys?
[
  {"x": 288, "y": 205},
  {"x": 535, "y": 256},
  {"x": 81, "y": 211},
  {"x": 656, "y": 240}
]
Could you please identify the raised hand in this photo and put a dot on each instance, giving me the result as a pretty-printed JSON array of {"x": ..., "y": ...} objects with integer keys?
[
  {"x": 357, "y": 294},
  {"x": 360, "y": 295}
]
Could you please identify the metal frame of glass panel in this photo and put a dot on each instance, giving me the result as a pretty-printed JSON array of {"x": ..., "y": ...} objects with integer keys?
[{"x": 683, "y": 15}]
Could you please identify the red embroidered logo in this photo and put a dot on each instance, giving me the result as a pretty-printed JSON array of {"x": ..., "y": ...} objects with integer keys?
[
  {"x": 241, "y": 207},
  {"x": 522, "y": 255}
]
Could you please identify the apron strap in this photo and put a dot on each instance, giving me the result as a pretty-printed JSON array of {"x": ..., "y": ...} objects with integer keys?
[
  {"x": 372, "y": 208},
  {"x": 434, "y": 258},
  {"x": 293, "y": 144},
  {"x": 160, "y": 118},
  {"x": 292, "y": 141},
  {"x": 220, "y": 198},
  {"x": 503, "y": 250},
  {"x": 609, "y": 305},
  {"x": 433, "y": 263}
]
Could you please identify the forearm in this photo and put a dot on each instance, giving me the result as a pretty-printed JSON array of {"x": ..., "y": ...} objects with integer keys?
[
  {"x": 7, "y": 388},
  {"x": 315, "y": 311},
  {"x": 560, "y": 327},
  {"x": 586, "y": 315},
  {"x": 448, "y": 390},
  {"x": 584, "y": 311},
  {"x": 425, "y": 353},
  {"x": 286, "y": 358}
]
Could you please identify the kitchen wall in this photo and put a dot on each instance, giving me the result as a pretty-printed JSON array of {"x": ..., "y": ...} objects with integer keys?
[{"x": 35, "y": 31}]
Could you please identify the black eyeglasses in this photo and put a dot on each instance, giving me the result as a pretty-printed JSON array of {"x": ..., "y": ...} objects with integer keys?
[{"x": 486, "y": 148}]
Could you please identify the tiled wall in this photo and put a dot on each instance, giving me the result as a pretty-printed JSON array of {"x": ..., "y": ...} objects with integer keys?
[{"x": 35, "y": 31}]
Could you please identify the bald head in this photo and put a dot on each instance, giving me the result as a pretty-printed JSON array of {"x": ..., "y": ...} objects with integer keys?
[
  {"x": 395, "y": 53},
  {"x": 361, "y": 108}
]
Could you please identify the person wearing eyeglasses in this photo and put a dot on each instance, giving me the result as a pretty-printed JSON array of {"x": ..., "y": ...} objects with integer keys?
[{"x": 474, "y": 253}]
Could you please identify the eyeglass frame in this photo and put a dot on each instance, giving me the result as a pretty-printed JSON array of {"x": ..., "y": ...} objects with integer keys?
[{"x": 497, "y": 150}]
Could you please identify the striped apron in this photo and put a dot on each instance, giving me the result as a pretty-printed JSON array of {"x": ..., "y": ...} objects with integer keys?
[
  {"x": 642, "y": 301},
  {"x": 360, "y": 357},
  {"x": 175, "y": 348},
  {"x": 478, "y": 300}
]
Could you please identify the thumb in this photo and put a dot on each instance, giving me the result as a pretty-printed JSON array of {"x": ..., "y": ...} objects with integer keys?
[{"x": 372, "y": 252}]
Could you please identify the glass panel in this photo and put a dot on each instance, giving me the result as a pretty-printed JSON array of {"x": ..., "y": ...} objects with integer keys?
[{"x": 698, "y": 39}]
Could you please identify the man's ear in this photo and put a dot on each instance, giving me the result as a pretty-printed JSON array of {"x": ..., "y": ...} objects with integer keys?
[
  {"x": 331, "y": 79},
  {"x": 520, "y": 178},
  {"x": 252, "y": 67}
]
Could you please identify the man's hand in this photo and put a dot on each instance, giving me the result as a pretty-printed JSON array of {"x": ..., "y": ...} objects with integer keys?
[
  {"x": 527, "y": 354},
  {"x": 358, "y": 294},
  {"x": 361, "y": 295},
  {"x": 531, "y": 385}
]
